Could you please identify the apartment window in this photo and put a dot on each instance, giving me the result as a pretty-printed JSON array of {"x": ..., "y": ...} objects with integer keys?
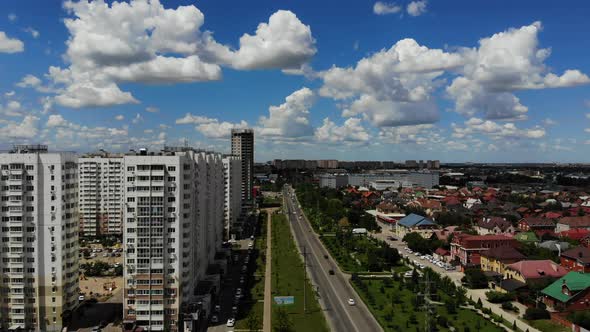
[
  {"x": 171, "y": 168},
  {"x": 130, "y": 199},
  {"x": 130, "y": 168},
  {"x": 171, "y": 199},
  {"x": 29, "y": 167}
]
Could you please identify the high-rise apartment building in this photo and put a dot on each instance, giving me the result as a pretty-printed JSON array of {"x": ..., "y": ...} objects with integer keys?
[
  {"x": 173, "y": 221},
  {"x": 100, "y": 195},
  {"x": 242, "y": 145},
  {"x": 39, "y": 255},
  {"x": 232, "y": 167}
]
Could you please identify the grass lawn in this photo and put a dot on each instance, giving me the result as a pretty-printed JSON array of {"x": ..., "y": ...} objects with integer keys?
[
  {"x": 547, "y": 325},
  {"x": 257, "y": 281},
  {"x": 394, "y": 308},
  {"x": 287, "y": 280}
]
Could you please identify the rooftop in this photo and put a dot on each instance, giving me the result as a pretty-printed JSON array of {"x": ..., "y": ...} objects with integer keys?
[{"x": 574, "y": 281}]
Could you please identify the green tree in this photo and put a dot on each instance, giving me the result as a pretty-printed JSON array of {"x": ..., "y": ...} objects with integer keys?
[
  {"x": 252, "y": 321},
  {"x": 282, "y": 323}
]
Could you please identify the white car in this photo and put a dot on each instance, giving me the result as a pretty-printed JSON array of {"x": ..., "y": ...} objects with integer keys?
[
  {"x": 351, "y": 302},
  {"x": 231, "y": 322},
  {"x": 81, "y": 298}
]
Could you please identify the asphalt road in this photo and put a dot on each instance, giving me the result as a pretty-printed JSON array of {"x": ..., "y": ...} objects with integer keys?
[{"x": 334, "y": 290}]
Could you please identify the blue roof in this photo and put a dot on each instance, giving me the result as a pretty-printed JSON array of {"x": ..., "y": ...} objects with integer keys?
[{"x": 414, "y": 220}]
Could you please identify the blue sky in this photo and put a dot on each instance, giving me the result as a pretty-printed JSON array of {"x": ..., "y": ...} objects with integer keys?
[{"x": 355, "y": 80}]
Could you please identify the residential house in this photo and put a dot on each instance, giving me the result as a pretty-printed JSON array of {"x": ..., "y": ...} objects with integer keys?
[
  {"x": 575, "y": 234},
  {"x": 568, "y": 223},
  {"x": 496, "y": 259},
  {"x": 467, "y": 249},
  {"x": 414, "y": 223},
  {"x": 576, "y": 259},
  {"x": 585, "y": 241},
  {"x": 442, "y": 255},
  {"x": 538, "y": 225},
  {"x": 472, "y": 202},
  {"x": 493, "y": 225},
  {"x": 443, "y": 234},
  {"x": 428, "y": 205},
  {"x": 570, "y": 293},
  {"x": 534, "y": 271}
]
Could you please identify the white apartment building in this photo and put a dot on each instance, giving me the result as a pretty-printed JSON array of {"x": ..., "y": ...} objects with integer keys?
[
  {"x": 173, "y": 227},
  {"x": 232, "y": 167},
  {"x": 100, "y": 195},
  {"x": 39, "y": 255}
]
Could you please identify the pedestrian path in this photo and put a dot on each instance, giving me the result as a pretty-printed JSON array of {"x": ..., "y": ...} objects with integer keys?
[{"x": 267, "y": 324}]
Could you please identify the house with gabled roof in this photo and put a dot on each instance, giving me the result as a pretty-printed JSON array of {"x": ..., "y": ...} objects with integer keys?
[
  {"x": 534, "y": 271},
  {"x": 569, "y": 293},
  {"x": 414, "y": 223},
  {"x": 496, "y": 259},
  {"x": 568, "y": 223},
  {"x": 536, "y": 224},
  {"x": 493, "y": 225},
  {"x": 576, "y": 259}
]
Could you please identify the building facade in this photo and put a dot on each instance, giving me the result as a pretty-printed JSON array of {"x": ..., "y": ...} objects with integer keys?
[
  {"x": 173, "y": 228},
  {"x": 232, "y": 168},
  {"x": 100, "y": 195},
  {"x": 242, "y": 145},
  {"x": 39, "y": 256}
]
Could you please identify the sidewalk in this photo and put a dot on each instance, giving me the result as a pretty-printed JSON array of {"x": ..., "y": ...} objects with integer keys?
[{"x": 267, "y": 324}]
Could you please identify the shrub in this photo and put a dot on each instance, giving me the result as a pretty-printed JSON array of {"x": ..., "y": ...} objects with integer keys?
[
  {"x": 499, "y": 297},
  {"x": 536, "y": 313}
]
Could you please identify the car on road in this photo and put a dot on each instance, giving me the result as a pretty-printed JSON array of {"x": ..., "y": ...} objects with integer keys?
[
  {"x": 96, "y": 329},
  {"x": 214, "y": 319},
  {"x": 326, "y": 256},
  {"x": 351, "y": 302},
  {"x": 331, "y": 272},
  {"x": 81, "y": 298},
  {"x": 252, "y": 237},
  {"x": 231, "y": 322}
]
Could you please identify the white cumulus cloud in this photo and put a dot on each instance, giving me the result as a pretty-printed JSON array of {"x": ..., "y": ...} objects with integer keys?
[
  {"x": 290, "y": 119},
  {"x": 10, "y": 45},
  {"x": 384, "y": 8},
  {"x": 417, "y": 8}
]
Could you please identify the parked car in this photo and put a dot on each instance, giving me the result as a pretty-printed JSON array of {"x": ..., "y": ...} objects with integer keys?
[
  {"x": 331, "y": 272},
  {"x": 230, "y": 322},
  {"x": 351, "y": 302}
]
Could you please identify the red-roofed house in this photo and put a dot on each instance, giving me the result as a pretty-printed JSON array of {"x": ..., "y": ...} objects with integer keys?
[
  {"x": 575, "y": 234},
  {"x": 534, "y": 271},
  {"x": 442, "y": 255},
  {"x": 466, "y": 249},
  {"x": 553, "y": 215},
  {"x": 576, "y": 259},
  {"x": 567, "y": 223},
  {"x": 538, "y": 225}
]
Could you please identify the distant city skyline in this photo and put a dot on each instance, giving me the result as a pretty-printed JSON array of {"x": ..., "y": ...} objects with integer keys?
[{"x": 457, "y": 82}]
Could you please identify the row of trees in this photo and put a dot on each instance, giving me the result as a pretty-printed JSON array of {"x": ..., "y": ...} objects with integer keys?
[{"x": 100, "y": 268}]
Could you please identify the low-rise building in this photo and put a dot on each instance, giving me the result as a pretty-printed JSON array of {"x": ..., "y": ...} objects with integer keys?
[
  {"x": 496, "y": 259},
  {"x": 493, "y": 225},
  {"x": 466, "y": 249},
  {"x": 576, "y": 259},
  {"x": 534, "y": 271},
  {"x": 414, "y": 223},
  {"x": 568, "y": 223},
  {"x": 570, "y": 293},
  {"x": 537, "y": 225}
]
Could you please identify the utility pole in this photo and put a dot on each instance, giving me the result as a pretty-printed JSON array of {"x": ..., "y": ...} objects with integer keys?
[{"x": 426, "y": 305}]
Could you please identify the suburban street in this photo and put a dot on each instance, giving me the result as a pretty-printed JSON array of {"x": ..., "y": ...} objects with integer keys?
[
  {"x": 456, "y": 276},
  {"x": 334, "y": 290}
]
